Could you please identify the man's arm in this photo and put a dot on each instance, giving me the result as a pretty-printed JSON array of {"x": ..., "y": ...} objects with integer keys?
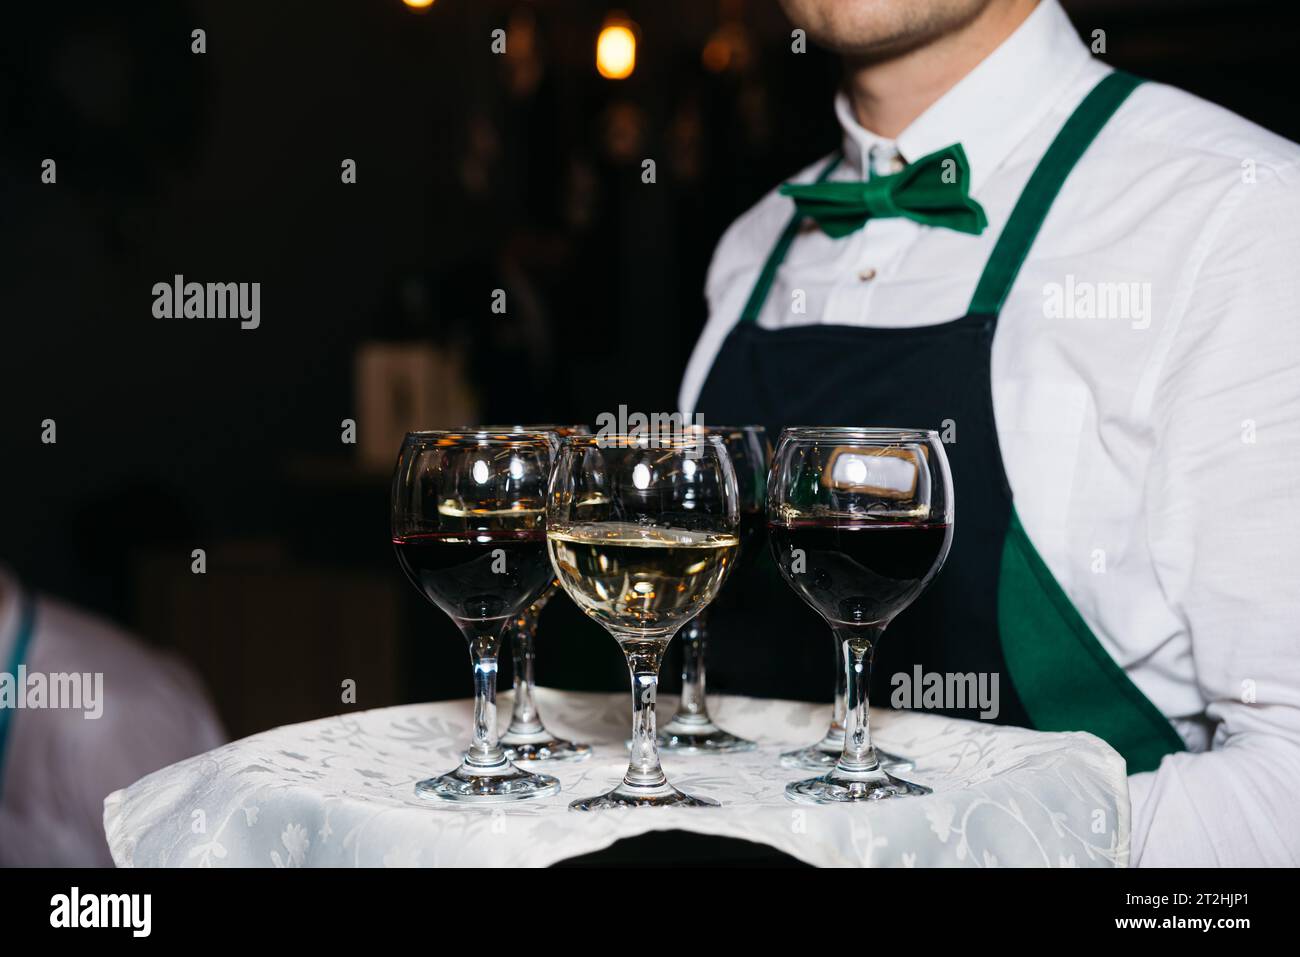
[{"x": 1223, "y": 516}]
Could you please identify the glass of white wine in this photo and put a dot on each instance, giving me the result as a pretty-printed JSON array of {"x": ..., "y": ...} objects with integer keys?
[{"x": 642, "y": 530}]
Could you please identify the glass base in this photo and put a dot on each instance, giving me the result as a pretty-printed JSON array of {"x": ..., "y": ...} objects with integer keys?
[
  {"x": 543, "y": 747},
  {"x": 842, "y": 788},
  {"x": 819, "y": 758},
  {"x": 626, "y": 796},
  {"x": 695, "y": 735},
  {"x": 487, "y": 785}
]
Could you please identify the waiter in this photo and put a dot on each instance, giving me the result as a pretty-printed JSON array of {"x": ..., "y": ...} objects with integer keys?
[
  {"x": 57, "y": 764},
  {"x": 1089, "y": 285}
]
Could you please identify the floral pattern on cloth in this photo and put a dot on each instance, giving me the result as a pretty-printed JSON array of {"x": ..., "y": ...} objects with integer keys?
[{"x": 339, "y": 792}]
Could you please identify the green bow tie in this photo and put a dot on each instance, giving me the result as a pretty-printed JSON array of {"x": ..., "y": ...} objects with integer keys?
[{"x": 933, "y": 191}]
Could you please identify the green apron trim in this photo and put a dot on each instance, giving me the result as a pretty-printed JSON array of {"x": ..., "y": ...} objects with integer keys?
[
  {"x": 758, "y": 295},
  {"x": 23, "y": 639},
  {"x": 1070, "y": 682},
  {"x": 1031, "y": 209}
]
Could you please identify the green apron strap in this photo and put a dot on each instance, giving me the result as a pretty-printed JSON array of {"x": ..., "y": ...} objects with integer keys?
[
  {"x": 758, "y": 295},
  {"x": 1065, "y": 679},
  {"x": 22, "y": 640},
  {"x": 1031, "y": 209}
]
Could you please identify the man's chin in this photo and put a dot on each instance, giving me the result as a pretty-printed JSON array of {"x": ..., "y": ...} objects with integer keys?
[
  {"x": 880, "y": 29},
  {"x": 860, "y": 48}
]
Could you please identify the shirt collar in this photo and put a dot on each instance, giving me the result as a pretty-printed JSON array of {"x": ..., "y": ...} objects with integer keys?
[{"x": 992, "y": 108}]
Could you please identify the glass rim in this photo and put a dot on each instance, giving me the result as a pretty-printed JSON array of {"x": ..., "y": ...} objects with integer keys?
[
  {"x": 648, "y": 440},
  {"x": 710, "y": 429},
  {"x": 519, "y": 428},
  {"x": 841, "y": 431},
  {"x": 466, "y": 438}
]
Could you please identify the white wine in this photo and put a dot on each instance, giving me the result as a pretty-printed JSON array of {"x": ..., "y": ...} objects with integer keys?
[{"x": 640, "y": 581}]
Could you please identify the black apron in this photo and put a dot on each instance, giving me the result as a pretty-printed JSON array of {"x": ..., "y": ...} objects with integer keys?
[{"x": 995, "y": 608}]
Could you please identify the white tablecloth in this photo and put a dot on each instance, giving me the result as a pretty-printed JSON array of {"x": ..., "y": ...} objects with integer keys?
[{"x": 338, "y": 792}]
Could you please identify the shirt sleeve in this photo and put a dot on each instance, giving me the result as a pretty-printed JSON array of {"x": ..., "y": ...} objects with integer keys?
[
  {"x": 1223, "y": 517},
  {"x": 149, "y": 710}
]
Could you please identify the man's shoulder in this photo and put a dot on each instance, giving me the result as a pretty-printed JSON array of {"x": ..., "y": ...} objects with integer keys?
[
  {"x": 69, "y": 639},
  {"x": 1162, "y": 123}
]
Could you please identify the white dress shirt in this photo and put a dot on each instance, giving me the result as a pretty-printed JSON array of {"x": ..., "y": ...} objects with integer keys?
[
  {"x": 1153, "y": 446},
  {"x": 60, "y": 764}
]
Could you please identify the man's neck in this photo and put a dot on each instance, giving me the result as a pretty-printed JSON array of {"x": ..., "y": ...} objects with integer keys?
[{"x": 889, "y": 92}]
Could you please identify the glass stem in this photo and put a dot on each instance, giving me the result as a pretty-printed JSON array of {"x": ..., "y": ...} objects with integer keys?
[
  {"x": 694, "y": 637},
  {"x": 484, "y": 751},
  {"x": 833, "y": 741},
  {"x": 643, "y": 659},
  {"x": 858, "y": 643},
  {"x": 523, "y": 717}
]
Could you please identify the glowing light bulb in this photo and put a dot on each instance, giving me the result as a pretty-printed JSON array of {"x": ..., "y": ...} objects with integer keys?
[
  {"x": 418, "y": 4},
  {"x": 616, "y": 50}
]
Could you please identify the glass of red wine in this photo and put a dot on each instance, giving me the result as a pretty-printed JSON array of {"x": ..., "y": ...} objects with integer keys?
[
  {"x": 526, "y": 738},
  {"x": 643, "y": 529},
  {"x": 692, "y": 730},
  {"x": 469, "y": 530},
  {"x": 860, "y": 521}
]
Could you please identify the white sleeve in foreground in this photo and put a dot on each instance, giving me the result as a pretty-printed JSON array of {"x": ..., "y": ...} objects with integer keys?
[{"x": 1223, "y": 516}]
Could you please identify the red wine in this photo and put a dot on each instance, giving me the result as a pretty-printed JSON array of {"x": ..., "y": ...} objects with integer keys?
[
  {"x": 858, "y": 573},
  {"x": 477, "y": 575}
]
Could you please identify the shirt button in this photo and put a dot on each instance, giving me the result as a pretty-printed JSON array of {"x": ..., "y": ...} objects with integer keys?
[
  {"x": 868, "y": 274},
  {"x": 896, "y": 164}
]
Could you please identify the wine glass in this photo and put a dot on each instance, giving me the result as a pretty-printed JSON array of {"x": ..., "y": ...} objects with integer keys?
[
  {"x": 468, "y": 527},
  {"x": 691, "y": 730},
  {"x": 526, "y": 739},
  {"x": 860, "y": 521},
  {"x": 642, "y": 531}
]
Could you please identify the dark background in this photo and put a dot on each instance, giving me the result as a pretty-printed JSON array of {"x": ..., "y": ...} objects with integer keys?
[{"x": 475, "y": 171}]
